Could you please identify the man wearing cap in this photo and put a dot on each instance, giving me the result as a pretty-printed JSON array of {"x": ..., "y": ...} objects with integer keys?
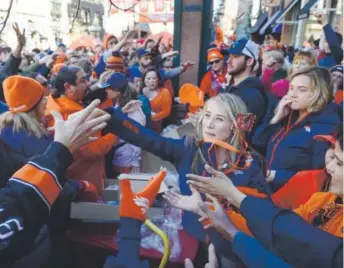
[
  {"x": 214, "y": 81},
  {"x": 126, "y": 157},
  {"x": 337, "y": 83},
  {"x": 243, "y": 58},
  {"x": 67, "y": 98},
  {"x": 145, "y": 57}
]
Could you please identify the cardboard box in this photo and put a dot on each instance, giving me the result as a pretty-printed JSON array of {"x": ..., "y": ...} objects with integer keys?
[
  {"x": 103, "y": 211},
  {"x": 110, "y": 211}
]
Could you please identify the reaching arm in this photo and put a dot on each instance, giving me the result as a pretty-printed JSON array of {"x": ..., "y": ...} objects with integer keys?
[
  {"x": 26, "y": 200},
  {"x": 271, "y": 227},
  {"x": 127, "y": 129}
]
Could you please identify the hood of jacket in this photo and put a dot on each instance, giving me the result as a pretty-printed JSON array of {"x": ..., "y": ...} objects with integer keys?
[
  {"x": 63, "y": 105},
  {"x": 106, "y": 40}
]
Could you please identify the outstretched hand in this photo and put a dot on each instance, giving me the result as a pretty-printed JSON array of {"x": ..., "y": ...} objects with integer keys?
[
  {"x": 20, "y": 35},
  {"x": 185, "y": 202},
  {"x": 188, "y": 65},
  {"x": 218, "y": 184},
  {"x": 218, "y": 218}
]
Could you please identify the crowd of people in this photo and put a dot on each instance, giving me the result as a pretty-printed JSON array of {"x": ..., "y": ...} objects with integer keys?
[{"x": 260, "y": 183}]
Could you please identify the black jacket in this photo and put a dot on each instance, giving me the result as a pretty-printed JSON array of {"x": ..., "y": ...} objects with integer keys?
[{"x": 251, "y": 91}]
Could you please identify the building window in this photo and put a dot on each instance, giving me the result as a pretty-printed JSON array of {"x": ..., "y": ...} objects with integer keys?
[
  {"x": 84, "y": 16},
  {"x": 98, "y": 20},
  {"x": 55, "y": 11}
]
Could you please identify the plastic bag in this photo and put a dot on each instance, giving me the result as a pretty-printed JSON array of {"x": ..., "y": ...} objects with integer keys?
[{"x": 170, "y": 223}]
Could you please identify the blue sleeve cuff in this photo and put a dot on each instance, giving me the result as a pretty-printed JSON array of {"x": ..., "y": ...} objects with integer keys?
[
  {"x": 253, "y": 254},
  {"x": 260, "y": 214}
]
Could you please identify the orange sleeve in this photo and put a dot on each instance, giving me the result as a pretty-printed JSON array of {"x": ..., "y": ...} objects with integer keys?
[
  {"x": 97, "y": 148},
  {"x": 206, "y": 83},
  {"x": 165, "y": 104},
  {"x": 239, "y": 222},
  {"x": 302, "y": 211},
  {"x": 299, "y": 189},
  {"x": 339, "y": 96}
]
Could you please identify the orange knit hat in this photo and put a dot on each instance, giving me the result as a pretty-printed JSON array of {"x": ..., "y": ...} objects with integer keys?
[
  {"x": 22, "y": 93},
  {"x": 214, "y": 54},
  {"x": 115, "y": 63}
]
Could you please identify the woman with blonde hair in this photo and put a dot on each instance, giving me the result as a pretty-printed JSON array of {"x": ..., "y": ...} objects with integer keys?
[
  {"x": 22, "y": 127},
  {"x": 273, "y": 61},
  {"x": 306, "y": 111},
  {"x": 220, "y": 143}
]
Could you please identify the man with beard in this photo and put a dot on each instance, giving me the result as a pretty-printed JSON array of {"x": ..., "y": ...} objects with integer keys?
[
  {"x": 243, "y": 58},
  {"x": 146, "y": 58}
]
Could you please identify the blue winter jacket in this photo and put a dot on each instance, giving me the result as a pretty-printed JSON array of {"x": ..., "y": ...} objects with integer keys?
[
  {"x": 180, "y": 153},
  {"x": 292, "y": 148},
  {"x": 28, "y": 145},
  {"x": 287, "y": 235}
]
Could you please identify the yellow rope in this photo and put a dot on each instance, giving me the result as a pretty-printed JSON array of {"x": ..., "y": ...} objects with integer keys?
[{"x": 164, "y": 238}]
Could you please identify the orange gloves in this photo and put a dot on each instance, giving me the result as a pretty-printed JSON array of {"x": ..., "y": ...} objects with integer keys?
[{"x": 136, "y": 205}]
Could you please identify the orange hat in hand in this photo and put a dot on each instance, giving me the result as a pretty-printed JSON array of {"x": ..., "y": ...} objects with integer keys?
[
  {"x": 22, "y": 93},
  {"x": 192, "y": 95},
  {"x": 136, "y": 205}
]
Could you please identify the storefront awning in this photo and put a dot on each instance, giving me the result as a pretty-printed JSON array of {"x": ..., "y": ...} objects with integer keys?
[
  {"x": 305, "y": 11},
  {"x": 278, "y": 16},
  {"x": 262, "y": 19}
]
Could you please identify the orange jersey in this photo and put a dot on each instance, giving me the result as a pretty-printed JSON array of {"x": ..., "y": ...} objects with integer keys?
[
  {"x": 323, "y": 201},
  {"x": 89, "y": 163},
  {"x": 210, "y": 85}
]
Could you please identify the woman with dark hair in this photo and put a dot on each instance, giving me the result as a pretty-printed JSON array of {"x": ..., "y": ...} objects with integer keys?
[{"x": 152, "y": 87}]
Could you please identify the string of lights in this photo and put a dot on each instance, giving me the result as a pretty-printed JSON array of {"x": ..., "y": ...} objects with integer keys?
[
  {"x": 7, "y": 16},
  {"x": 76, "y": 16}
]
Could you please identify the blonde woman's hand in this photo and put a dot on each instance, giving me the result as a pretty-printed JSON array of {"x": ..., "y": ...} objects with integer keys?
[
  {"x": 283, "y": 109},
  {"x": 218, "y": 184}
]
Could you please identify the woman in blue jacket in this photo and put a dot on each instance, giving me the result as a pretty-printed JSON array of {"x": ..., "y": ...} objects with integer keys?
[
  {"x": 306, "y": 111},
  {"x": 189, "y": 156},
  {"x": 21, "y": 127}
]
